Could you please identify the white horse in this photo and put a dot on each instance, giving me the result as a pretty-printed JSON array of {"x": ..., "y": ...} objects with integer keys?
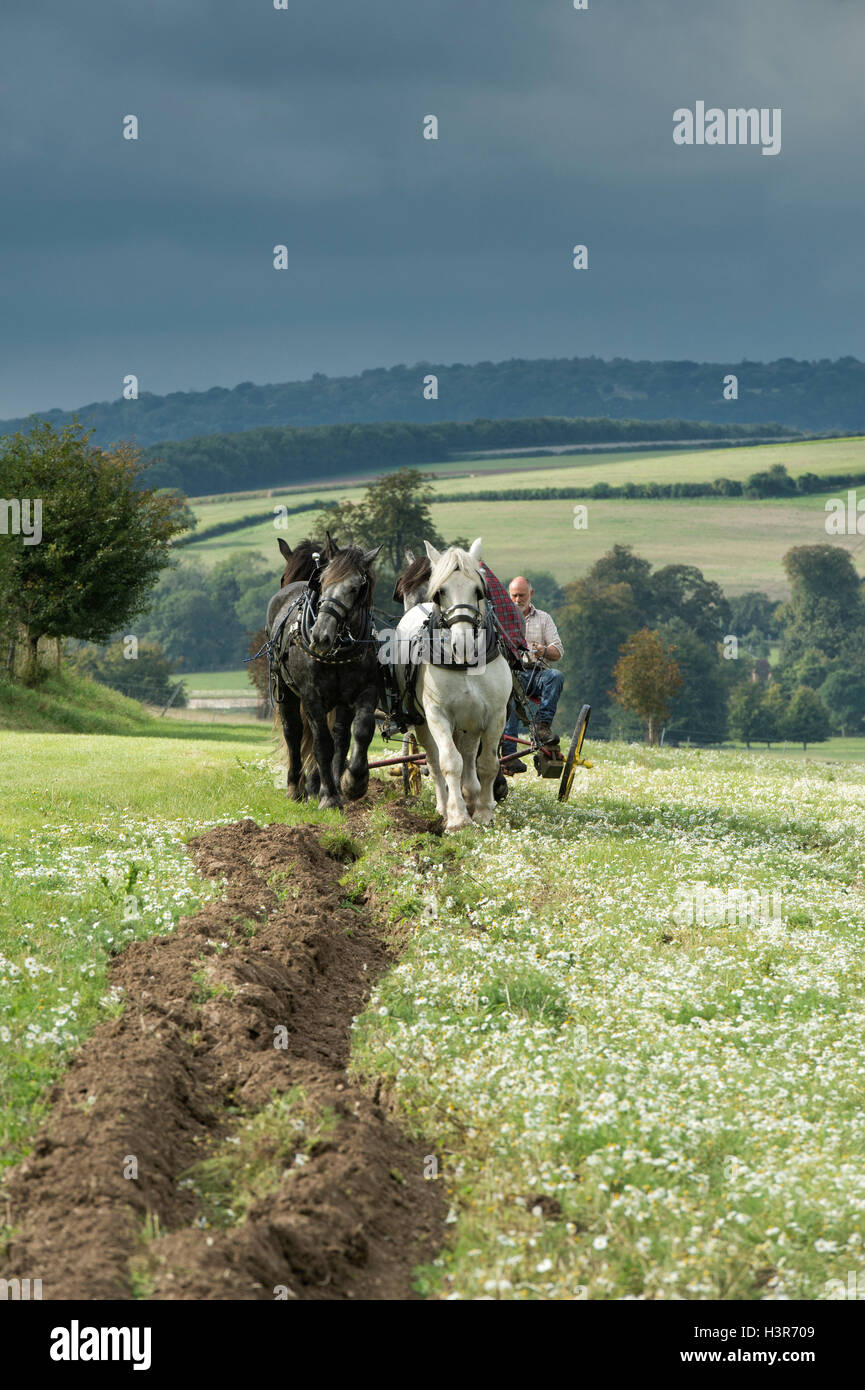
[{"x": 464, "y": 709}]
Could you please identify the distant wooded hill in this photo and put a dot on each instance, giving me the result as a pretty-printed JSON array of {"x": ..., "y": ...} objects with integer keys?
[
  {"x": 813, "y": 396},
  {"x": 222, "y": 463}
]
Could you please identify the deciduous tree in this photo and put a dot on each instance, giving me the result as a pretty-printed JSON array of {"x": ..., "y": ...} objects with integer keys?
[{"x": 647, "y": 678}]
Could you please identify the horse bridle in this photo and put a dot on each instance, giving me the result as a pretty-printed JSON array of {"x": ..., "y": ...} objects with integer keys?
[
  {"x": 334, "y": 607},
  {"x": 459, "y": 612},
  {"x": 345, "y": 646}
]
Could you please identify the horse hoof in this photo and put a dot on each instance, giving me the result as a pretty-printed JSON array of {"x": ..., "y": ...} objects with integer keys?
[
  {"x": 454, "y": 825},
  {"x": 330, "y": 803},
  {"x": 354, "y": 788}
]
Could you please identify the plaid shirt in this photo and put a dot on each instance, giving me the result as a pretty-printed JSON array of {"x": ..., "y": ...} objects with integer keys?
[{"x": 510, "y": 619}]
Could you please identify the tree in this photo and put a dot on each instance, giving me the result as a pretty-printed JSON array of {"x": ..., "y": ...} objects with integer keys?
[
  {"x": 394, "y": 512},
  {"x": 810, "y": 668},
  {"x": 621, "y": 566},
  {"x": 647, "y": 678},
  {"x": 619, "y": 595},
  {"x": 202, "y": 618},
  {"x": 680, "y": 591},
  {"x": 774, "y": 483},
  {"x": 807, "y": 718},
  {"x": 744, "y": 712},
  {"x": 843, "y": 694},
  {"x": 594, "y": 622},
  {"x": 699, "y": 710},
  {"x": 548, "y": 592},
  {"x": 754, "y": 610},
  {"x": 148, "y": 677},
  {"x": 184, "y": 511},
  {"x": 104, "y": 539},
  {"x": 825, "y": 608},
  {"x": 771, "y": 718}
]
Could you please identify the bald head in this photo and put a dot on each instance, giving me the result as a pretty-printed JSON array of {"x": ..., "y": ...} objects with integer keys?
[{"x": 521, "y": 592}]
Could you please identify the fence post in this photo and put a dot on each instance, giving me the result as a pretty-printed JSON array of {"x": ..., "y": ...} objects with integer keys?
[{"x": 175, "y": 692}]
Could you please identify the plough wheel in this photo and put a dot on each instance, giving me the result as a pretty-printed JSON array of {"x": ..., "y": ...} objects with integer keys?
[
  {"x": 573, "y": 758},
  {"x": 411, "y": 775}
]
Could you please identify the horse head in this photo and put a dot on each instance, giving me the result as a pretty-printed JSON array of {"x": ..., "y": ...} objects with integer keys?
[
  {"x": 300, "y": 563},
  {"x": 346, "y": 583},
  {"x": 457, "y": 589},
  {"x": 411, "y": 586}
]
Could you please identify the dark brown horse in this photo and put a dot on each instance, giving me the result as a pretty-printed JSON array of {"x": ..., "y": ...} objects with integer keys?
[{"x": 327, "y": 671}]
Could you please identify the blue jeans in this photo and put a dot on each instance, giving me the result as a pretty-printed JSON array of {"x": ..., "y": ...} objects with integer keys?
[{"x": 548, "y": 684}]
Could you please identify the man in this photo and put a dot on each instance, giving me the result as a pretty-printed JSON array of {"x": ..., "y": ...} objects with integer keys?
[{"x": 544, "y": 643}]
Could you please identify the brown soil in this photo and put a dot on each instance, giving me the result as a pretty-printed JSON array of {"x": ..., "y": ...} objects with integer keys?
[{"x": 153, "y": 1085}]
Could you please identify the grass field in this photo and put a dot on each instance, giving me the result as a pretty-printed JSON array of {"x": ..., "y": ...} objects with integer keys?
[
  {"x": 629, "y": 1104},
  {"x": 738, "y": 543},
  {"x": 698, "y": 465},
  {"x": 224, "y": 682},
  {"x": 625, "y": 1103}
]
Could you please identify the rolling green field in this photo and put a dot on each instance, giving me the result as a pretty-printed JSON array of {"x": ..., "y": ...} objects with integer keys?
[
  {"x": 696, "y": 466},
  {"x": 738, "y": 543},
  {"x": 626, "y": 1103}
]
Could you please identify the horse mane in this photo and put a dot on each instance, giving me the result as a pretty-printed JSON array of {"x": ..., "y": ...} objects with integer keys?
[
  {"x": 301, "y": 566},
  {"x": 417, "y": 573},
  {"x": 447, "y": 564},
  {"x": 344, "y": 564}
]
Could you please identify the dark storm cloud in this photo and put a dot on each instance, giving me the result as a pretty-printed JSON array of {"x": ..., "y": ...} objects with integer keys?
[{"x": 303, "y": 127}]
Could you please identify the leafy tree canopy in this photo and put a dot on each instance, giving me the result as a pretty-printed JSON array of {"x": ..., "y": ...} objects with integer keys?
[{"x": 104, "y": 539}]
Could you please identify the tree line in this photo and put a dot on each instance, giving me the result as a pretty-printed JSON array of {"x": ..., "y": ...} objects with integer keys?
[
  {"x": 278, "y": 457},
  {"x": 808, "y": 395},
  {"x": 775, "y": 482},
  {"x": 666, "y": 649}
]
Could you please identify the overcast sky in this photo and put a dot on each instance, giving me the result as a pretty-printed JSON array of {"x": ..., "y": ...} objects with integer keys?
[{"x": 303, "y": 127}]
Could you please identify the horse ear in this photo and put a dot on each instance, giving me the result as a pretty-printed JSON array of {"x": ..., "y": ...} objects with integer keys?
[
  {"x": 410, "y": 557},
  {"x": 331, "y": 546},
  {"x": 285, "y": 548},
  {"x": 432, "y": 553},
  {"x": 475, "y": 550},
  {"x": 369, "y": 556}
]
